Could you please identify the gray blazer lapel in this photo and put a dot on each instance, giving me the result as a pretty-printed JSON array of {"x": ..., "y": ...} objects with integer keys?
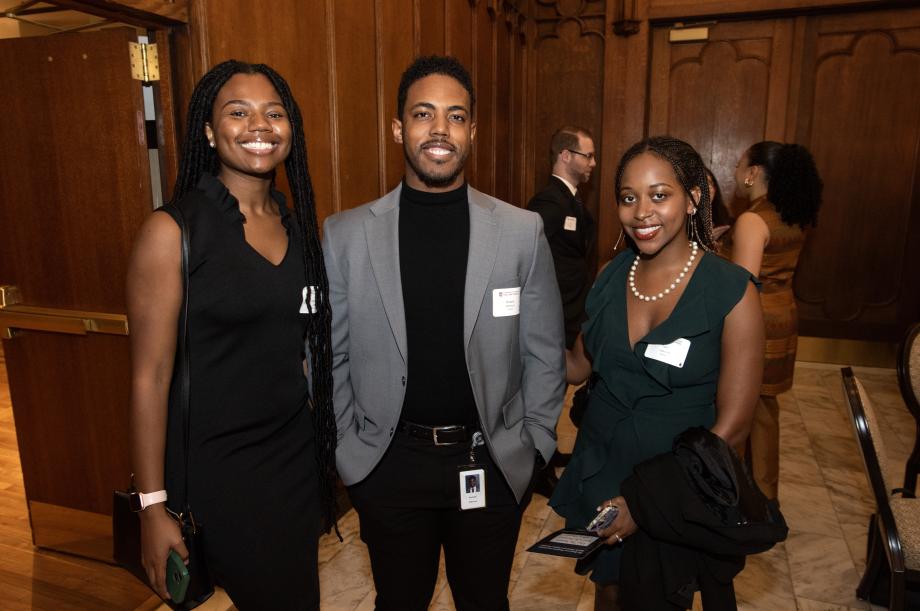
[
  {"x": 484, "y": 233},
  {"x": 382, "y": 231}
]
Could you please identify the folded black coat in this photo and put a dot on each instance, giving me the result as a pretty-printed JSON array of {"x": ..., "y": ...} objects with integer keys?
[{"x": 699, "y": 515}]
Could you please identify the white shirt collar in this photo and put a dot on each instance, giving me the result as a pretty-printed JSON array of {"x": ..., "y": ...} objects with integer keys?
[{"x": 571, "y": 187}]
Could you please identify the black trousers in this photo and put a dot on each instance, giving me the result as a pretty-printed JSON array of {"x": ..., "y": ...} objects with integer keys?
[{"x": 409, "y": 507}]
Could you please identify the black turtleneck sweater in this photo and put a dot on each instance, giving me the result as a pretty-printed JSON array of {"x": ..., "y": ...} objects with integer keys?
[{"x": 434, "y": 239}]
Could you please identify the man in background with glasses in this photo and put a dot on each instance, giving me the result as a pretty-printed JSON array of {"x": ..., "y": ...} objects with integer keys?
[{"x": 571, "y": 233}]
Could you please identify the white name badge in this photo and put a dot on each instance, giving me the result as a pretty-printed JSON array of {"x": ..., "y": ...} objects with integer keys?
[
  {"x": 673, "y": 354},
  {"x": 305, "y": 307},
  {"x": 506, "y": 302},
  {"x": 570, "y": 223}
]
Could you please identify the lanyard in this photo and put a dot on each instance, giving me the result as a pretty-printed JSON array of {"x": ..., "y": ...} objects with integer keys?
[{"x": 477, "y": 441}]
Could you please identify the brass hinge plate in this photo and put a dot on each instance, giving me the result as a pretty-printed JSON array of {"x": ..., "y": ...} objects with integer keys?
[
  {"x": 145, "y": 64},
  {"x": 9, "y": 295},
  {"x": 690, "y": 32}
]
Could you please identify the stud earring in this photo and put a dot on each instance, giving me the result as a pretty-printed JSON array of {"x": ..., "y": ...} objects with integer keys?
[
  {"x": 749, "y": 182},
  {"x": 212, "y": 143}
]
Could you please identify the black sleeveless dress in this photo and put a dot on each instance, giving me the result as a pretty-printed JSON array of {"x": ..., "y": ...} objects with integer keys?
[{"x": 253, "y": 483}]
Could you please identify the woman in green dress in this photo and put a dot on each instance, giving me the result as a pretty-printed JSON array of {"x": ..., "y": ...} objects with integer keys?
[{"x": 674, "y": 338}]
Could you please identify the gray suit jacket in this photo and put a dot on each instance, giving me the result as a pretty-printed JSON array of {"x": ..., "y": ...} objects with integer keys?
[{"x": 516, "y": 363}]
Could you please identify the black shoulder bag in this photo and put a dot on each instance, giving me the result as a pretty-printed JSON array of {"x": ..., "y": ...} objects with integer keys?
[{"x": 126, "y": 528}]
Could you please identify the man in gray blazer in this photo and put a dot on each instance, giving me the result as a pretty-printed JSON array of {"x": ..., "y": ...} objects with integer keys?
[{"x": 448, "y": 358}]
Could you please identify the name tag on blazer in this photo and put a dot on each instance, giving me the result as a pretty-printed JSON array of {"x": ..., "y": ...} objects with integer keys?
[
  {"x": 673, "y": 354},
  {"x": 570, "y": 223},
  {"x": 506, "y": 302}
]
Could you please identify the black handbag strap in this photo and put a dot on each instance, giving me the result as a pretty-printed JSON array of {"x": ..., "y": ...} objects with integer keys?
[{"x": 182, "y": 346}]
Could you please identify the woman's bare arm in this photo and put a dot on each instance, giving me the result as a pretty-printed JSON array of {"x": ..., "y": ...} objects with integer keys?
[
  {"x": 750, "y": 235},
  {"x": 740, "y": 373},
  {"x": 154, "y": 292},
  {"x": 741, "y": 368},
  {"x": 577, "y": 363}
]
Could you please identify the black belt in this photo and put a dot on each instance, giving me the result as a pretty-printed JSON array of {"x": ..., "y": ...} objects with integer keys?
[{"x": 438, "y": 435}]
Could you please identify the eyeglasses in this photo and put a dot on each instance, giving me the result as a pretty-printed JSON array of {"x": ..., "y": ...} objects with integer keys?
[{"x": 588, "y": 156}]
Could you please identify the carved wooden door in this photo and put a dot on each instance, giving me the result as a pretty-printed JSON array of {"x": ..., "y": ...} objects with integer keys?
[
  {"x": 846, "y": 86},
  {"x": 859, "y": 114},
  {"x": 722, "y": 94}
]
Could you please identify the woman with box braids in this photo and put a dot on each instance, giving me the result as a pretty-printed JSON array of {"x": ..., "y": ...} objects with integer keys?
[
  {"x": 667, "y": 321},
  {"x": 200, "y": 158},
  {"x": 261, "y": 476},
  {"x": 691, "y": 174}
]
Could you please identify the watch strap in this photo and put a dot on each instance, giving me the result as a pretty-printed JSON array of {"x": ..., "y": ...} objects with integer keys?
[
  {"x": 142, "y": 500},
  {"x": 152, "y": 498}
]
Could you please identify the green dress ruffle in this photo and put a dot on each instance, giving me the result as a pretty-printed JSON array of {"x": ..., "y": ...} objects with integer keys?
[{"x": 638, "y": 404}]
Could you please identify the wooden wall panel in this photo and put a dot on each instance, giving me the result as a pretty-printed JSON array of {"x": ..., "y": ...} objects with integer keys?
[
  {"x": 676, "y": 9},
  {"x": 724, "y": 94},
  {"x": 504, "y": 47},
  {"x": 569, "y": 83},
  {"x": 845, "y": 86},
  {"x": 484, "y": 50},
  {"x": 460, "y": 41},
  {"x": 521, "y": 149},
  {"x": 765, "y": 72},
  {"x": 394, "y": 54},
  {"x": 626, "y": 78},
  {"x": 570, "y": 80},
  {"x": 230, "y": 30},
  {"x": 357, "y": 116},
  {"x": 344, "y": 60},
  {"x": 316, "y": 96},
  {"x": 857, "y": 277},
  {"x": 458, "y": 28},
  {"x": 429, "y": 21}
]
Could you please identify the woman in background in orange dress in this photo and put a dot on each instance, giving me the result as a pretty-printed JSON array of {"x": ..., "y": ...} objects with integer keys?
[{"x": 784, "y": 189}]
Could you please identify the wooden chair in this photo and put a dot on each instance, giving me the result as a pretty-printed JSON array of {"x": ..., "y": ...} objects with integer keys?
[
  {"x": 893, "y": 548},
  {"x": 909, "y": 381}
]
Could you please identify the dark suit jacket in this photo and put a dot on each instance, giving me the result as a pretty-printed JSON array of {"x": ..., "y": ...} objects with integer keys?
[
  {"x": 570, "y": 249},
  {"x": 699, "y": 514}
]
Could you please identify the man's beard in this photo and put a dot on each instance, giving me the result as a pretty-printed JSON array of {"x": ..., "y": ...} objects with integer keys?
[{"x": 430, "y": 180}]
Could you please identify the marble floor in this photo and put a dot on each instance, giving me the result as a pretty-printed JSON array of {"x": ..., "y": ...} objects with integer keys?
[
  {"x": 824, "y": 494},
  {"x": 823, "y": 491}
]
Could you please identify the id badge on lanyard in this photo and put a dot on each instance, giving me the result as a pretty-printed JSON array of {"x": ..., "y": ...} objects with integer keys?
[{"x": 473, "y": 479}]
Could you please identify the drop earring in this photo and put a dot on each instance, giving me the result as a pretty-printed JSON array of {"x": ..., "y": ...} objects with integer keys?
[
  {"x": 619, "y": 239},
  {"x": 691, "y": 229}
]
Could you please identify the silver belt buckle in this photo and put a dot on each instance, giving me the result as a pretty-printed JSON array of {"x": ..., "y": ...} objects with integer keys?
[{"x": 434, "y": 435}]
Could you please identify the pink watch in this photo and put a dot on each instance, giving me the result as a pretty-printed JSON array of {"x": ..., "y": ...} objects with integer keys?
[{"x": 139, "y": 501}]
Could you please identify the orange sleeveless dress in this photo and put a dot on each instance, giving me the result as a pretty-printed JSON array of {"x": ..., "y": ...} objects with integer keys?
[{"x": 780, "y": 257}]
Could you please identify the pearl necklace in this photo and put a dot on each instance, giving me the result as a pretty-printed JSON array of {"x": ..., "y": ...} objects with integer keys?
[{"x": 641, "y": 297}]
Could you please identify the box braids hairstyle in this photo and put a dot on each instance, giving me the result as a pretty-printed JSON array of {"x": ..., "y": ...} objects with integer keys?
[
  {"x": 690, "y": 171},
  {"x": 199, "y": 158}
]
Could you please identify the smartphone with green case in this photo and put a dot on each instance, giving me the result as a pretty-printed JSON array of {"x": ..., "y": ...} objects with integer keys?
[{"x": 177, "y": 577}]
